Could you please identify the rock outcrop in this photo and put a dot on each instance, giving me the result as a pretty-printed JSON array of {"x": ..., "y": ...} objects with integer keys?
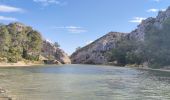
[
  {"x": 96, "y": 52},
  {"x": 139, "y": 33},
  {"x": 19, "y": 26},
  {"x": 54, "y": 54},
  {"x": 20, "y": 42},
  {"x": 62, "y": 57}
]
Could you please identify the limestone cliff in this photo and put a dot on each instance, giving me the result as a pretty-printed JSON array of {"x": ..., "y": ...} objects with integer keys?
[
  {"x": 139, "y": 33},
  {"x": 96, "y": 52},
  {"x": 51, "y": 52}
]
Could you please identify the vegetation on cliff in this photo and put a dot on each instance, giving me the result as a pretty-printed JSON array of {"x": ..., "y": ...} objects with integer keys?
[
  {"x": 18, "y": 42},
  {"x": 146, "y": 46},
  {"x": 22, "y": 43},
  {"x": 154, "y": 50}
]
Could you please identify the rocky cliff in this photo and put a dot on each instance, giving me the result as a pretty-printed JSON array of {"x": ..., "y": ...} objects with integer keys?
[
  {"x": 20, "y": 42},
  {"x": 139, "y": 33},
  {"x": 96, "y": 52},
  {"x": 51, "y": 52}
]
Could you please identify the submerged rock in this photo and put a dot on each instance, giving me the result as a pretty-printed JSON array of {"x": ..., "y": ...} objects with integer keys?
[
  {"x": 52, "y": 62},
  {"x": 2, "y": 91},
  {"x": 3, "y": 95},
  {"x": 5, "y": 98}
]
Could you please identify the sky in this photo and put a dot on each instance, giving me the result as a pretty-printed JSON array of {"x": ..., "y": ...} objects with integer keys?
[{"x": 76, "y": 23}]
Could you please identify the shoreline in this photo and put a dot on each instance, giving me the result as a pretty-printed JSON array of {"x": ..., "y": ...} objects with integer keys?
[
  {"x": 19, "y": 64},
  {"x": 126, "y": 66},
  {"x": 161, "y": 69},
  {"x": 147, "y": 68}
]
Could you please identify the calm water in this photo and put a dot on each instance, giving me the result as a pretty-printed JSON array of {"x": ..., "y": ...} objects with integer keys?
[{"x": 85, "y": 82}]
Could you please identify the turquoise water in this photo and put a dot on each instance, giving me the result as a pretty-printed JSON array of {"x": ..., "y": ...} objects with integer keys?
[{"x": 84, "y": 82}]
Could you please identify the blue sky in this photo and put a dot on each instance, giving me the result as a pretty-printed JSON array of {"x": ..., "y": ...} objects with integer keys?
[{"x": 74, "y": 23}]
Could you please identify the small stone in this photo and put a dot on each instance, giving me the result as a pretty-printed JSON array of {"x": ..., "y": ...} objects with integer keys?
[{"x": 2, "y": 91}]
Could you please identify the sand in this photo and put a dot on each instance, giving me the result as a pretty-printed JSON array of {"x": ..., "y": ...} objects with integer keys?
[{"x": 19, "y": 64}]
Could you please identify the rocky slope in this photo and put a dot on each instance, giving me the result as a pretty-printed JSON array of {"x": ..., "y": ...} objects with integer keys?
[
  {"x": 139, "y": 33},
  {"x": 19, "y": 42},
  {"x": 96, "y": 52},
  {"x": 51, "y": 52}
]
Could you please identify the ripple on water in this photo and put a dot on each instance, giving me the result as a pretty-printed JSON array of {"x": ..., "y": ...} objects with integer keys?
[{"x": 85, "y": 82}]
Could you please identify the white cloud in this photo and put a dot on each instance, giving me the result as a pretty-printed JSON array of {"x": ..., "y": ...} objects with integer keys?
[
  {"x": 7, "y": 18},
  {"x": 50, "y": 41},
  {"x": 89, "y": 42},
  {"x": 47, "y": 2},
  {"x": 157, "y": 0},
  {"x": 137, "y": 19},
  {"x": 163, "y": 10},
  {"x": 73, "y": 29},
  {"x": 155, "y": 10},
  {"x": 5, "y": 8}
]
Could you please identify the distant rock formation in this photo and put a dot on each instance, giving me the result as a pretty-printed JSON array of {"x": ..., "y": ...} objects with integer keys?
[
  {"x": 51, "y": 52},
  {"x": 96, "y": 52},
  {"x": 139, "y": 33}
]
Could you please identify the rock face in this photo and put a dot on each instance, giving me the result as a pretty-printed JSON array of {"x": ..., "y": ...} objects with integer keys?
[
  {"x": 51, "y": 52},
  {"x": 139, "y": 33},
  {"x": 62, "y": 57},
  {"x": 19, "y": 26},
  {"x": 95, "y": 53}
]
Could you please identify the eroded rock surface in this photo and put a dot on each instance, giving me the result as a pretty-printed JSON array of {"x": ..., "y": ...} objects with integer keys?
[
  {"x": 95, "y": 53},
  {"x": 51, "y": 52}
]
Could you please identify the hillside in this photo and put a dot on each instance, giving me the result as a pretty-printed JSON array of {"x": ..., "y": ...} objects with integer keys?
[
  {"x": 148, "y": 45},
  {"x": 19, "y": 42},
  {"x": 96, "y": 52}
]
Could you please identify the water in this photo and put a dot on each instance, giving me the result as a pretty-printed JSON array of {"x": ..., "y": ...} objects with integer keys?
[{"x": 85, "y": 82}]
